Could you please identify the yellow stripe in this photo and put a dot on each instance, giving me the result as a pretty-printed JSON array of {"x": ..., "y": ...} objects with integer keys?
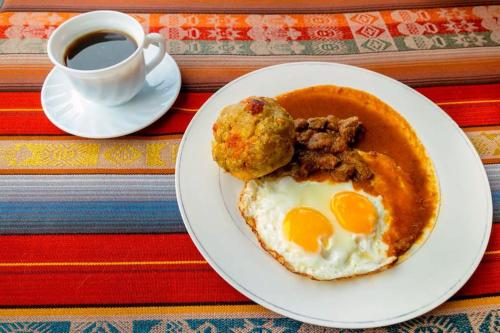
[
  {"x": 469, "y": 102},
  {"x": 468, "y": 303},
  {"x": 103, "y": 263},
  {"x": 492, "y": 252},
  {"x": 212, "y": 309}
]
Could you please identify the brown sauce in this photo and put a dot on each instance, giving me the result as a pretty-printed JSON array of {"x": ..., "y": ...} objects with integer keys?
[{"x": 389, "y": 134}]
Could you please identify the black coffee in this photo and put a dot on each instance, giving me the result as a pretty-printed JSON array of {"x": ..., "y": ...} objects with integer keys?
[{"x": 99, "y": 49}]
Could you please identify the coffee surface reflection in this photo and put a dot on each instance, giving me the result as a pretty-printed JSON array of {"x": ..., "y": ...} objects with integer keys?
[{"x": 99, "y": 49}]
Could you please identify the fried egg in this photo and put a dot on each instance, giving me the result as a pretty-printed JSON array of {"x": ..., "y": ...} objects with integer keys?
[{"x": 320, "y": 229}]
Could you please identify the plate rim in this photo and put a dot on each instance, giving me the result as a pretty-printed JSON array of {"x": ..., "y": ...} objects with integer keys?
[{"x": 318, "y": 321}]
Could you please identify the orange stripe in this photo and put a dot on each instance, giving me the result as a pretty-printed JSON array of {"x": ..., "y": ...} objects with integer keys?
[
  {"x": 470, "y": 102},
  {"x": 103, "y": 170},
  {"x": 177, "y": 108},
  {"x": 20, "y": 109},
  {"x": 205, "y": 309},
  {"x": 124, "y": 263},
  {"x": 98, "y": 263},
  {"x": 112, "y": 311},
  {"x": 495, "y": 160},
  {"x": 72, "y": 137},
  {"x": 481, "y": 128}
]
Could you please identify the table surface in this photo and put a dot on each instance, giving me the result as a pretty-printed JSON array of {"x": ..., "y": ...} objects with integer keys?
[{"x": 91, "y": 238}]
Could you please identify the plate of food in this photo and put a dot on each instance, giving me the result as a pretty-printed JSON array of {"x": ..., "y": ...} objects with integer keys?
[{"x": 333, "y": 195}]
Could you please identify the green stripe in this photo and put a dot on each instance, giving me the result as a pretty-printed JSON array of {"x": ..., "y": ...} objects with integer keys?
[
  {"x": 444, "y": 41},
  {"x": 308, "y": 47}
]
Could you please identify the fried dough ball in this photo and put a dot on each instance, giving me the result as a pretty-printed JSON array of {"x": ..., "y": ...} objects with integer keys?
[{"x": 253, "y": 138}]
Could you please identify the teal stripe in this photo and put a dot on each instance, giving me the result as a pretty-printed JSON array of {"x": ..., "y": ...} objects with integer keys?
[
  {"x": 108, "y": 203},
  {"x": 89, "y": 217}
]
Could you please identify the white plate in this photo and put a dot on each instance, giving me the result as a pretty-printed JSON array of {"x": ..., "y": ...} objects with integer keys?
[
  {"x": 207, "y": 200},
  {"x": 75, "y": 115}
]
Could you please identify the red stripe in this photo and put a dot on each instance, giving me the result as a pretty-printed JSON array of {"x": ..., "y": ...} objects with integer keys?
[
  {"x": 63, "y": 248},
  {"x": 172, "y": 122},
  {"x": 107, "y": 284},
  {"x": 122, "y": 287},
  {"x": 26, "y": 123},
  {"x": 494, "y": 243},
  {"x": 175, "y": 121},
  {"x": 33, "y": 123},
  {"x": 138, "y": 284},
  {"x": 461, "y": 93},
  {"x": 486, "y": 279},
  {"x": 437, "y": 94},
  {"x": 20, "y": 100},
  {"x": 192, "y": 100},
  {"x": 474, "y": 114},
  {"x": 150, "y": 285},
  {"x": 80, "y": 248}
]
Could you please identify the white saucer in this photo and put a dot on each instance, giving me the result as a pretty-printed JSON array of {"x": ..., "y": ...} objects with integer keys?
[{"x": 75, "y": 115}]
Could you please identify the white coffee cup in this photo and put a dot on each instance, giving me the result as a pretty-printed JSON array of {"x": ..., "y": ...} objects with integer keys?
[{"x": 112, "y": 85}]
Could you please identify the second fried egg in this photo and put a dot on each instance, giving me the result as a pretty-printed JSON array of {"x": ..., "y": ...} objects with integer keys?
[{"x": 324, "y": 230}]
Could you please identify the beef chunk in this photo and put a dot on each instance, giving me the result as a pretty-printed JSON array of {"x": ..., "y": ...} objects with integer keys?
[
  {"x": 320, "y": 141},
  {"x": 301, "y": 124},
  {"x": 339, "y": 144},
  {"x": 332, "y": 123},
  {"x": 317, "y": 123},
  {"x": 344, "y": 172},
  {"x": 327, "y": 134},
  {"x": 312, "y": 161},
  {"x": 352, "y": 158},
  {"x": 303, "y": 137},
  {"x": 324, "y": 145},
  {"x": 322, "y": 161},
  {"x": 348, "y": 129}
]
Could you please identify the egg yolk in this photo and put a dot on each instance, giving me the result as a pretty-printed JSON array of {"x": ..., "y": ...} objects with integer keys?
[
  {"x": 354, "y": 212},
  {"x": 307, "y": 227}
]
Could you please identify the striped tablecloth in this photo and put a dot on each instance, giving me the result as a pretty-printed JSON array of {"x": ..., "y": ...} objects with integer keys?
[{"x": 91, "y": 238}]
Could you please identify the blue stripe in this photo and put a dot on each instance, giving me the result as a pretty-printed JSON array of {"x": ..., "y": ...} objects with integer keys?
[
  {"x": 496, "y": 206},
  {"x": 108, "y": 216},
  {"x": 90, "y": 217}
]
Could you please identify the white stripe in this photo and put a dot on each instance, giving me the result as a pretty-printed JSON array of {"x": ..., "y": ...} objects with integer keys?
[{"x": 87, "y": 188}]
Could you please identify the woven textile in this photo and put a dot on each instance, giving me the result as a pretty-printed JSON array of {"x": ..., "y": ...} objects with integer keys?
[
  {"x": 300, "y": 34},
  {"x": 412, "y": 45},
  {"x": 479, "y": 315},
  {"x": 137, "y": 193},
  {"x": 91, "y": 239},
  {"x": 55, "y": 183}
]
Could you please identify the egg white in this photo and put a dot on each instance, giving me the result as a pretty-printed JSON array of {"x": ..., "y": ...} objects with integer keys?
[{"x": 264, "y": 204}]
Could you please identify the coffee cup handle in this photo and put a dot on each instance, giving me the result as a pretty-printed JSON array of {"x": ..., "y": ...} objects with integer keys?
[{"x": 158, "y": 40}]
